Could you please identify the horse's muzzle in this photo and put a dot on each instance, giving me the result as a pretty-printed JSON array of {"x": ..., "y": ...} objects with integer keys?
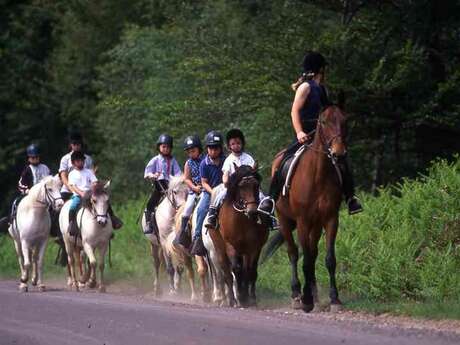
[{"x": 101, "y": 220}]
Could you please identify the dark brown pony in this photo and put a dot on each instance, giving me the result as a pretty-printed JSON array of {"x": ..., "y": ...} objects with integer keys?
[
  {"x": 240, "y": 238},
  {"x": 312, "y": 205}
]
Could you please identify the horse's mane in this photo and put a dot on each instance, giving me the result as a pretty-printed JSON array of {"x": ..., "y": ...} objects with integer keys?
[
  {"x": 36, "y": 188},
  {"x": 235, "y": 178},
  {"x": 176, "y": 181},
  {"x": 96, "y": 189}
]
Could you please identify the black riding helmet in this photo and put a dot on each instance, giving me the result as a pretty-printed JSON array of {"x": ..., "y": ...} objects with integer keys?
[
  {"x": 192, "y": 141},
  {"x": 33, "y": 150},
  {"x": 214, "y": 138},
  {"x": 313, "y": 62},
  {"x": 165, "y": 139},
  {"x": 236, "y": 133},
  {"x": 75, "y": 137}
]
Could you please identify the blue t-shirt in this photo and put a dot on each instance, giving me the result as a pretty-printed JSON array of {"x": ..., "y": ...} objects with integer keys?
[{"x": 211, "y": 171}]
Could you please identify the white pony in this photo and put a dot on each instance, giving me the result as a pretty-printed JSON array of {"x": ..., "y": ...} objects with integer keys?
[
  {"x": 95, "y": 229},
  {"x": 176, "y": 195},
  {"x": 31, "y": 227}
]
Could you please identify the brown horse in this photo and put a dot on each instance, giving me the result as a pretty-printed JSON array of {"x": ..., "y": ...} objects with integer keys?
[
  {"x": 240, "y": 238},
  {"x": 312, "y": 204}
]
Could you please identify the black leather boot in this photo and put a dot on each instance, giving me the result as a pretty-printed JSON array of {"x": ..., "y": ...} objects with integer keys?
[
  {"x": 183, "y": 238},
  {"x": 348, "y": 188},
  {"x": 116, "y": 222},
  {"x": 73, "y": 228},
  {"x": 198, "y": 247},
  {"x": 211, "y": 219}
]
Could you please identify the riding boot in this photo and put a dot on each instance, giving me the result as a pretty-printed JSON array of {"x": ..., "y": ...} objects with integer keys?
[
  {"x": 211, "y": 219},
  {"x": 266, "y": 209},
  {"x": 348, "y": 188},
  {"x": 152, "y": 226},
  {"x": 198, "y": 247},
  {"x": 73, "y": 228},
  {"x": 4, "y": 224},
  {"x": 183, "y": 238},
  {"x": 275, "y": 188},
  {"x": 116, "y": 222}
]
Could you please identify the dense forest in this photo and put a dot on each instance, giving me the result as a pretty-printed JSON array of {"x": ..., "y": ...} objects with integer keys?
[{"x": 125, "y": 71}]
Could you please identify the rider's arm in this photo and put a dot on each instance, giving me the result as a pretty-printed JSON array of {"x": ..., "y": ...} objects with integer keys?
[
  {"x": 299, "y": 101},
  {"x": 225, "y": 178},
  {"x": 76, "y": 190},
  {"x": 65, "y": 178},
  {"x": 206, "y": 186},
  {"x": 188, "y": 179}
]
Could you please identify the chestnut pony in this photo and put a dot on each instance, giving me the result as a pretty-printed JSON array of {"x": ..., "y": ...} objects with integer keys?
[
  {"x": 240, "y": 238},
  {"x": 312, "y": 204}
]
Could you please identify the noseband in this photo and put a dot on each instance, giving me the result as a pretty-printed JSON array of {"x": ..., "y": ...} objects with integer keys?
[{"x": 241, "y": 205}]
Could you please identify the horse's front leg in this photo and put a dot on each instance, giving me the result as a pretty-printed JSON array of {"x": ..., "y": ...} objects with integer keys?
[
  {"x": 26, "y": 265},
  {"x": 331, "y": 233},
  {"x": 171, "y": 273},
  {"x": 252, "y": 277},
  {"x": 304, "y": 230},
  {"x": 92, "y": 264},
  {"x": 155, "y": 250},
  {"x": 101, "y": 265},
  {"x": 191, "y": 278},
  {"x": 18, "y": 248},
  {"x": 34, "y": 279},
  {"x": 202, "y": 268},
  {"x": 224, "y": 263},
  {"x": 39, "y": 264}
]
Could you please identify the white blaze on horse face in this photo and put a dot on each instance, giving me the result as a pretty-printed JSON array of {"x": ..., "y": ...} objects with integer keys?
[{"x": 101, "y": 205}]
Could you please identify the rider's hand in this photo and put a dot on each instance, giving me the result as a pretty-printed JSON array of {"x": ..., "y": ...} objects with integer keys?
[
  {"x": 196, "y": 189},
  {"x": 302, "y": 137}
]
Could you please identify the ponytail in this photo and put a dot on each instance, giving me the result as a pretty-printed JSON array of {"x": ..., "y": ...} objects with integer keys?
[{"x": 303, "y": 77}]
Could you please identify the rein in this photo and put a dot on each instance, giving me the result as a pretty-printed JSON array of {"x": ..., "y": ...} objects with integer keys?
[
  {"x": 170, "y": 196},
  {"x": 243, "y": 202},
  {"x": 49, "y": 199},
  {"x": 328, "y": 151}
]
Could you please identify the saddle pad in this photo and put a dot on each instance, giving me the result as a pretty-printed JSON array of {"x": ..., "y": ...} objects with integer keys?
[{"x": 288, "y": 169}]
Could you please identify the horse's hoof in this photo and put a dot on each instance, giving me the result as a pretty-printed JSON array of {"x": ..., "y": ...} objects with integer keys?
[
  {"x": 91, "y": 284},
  {"x": 102, "y": 289},
  {"x": 34, "y": 282},
  {"x": 207, "y": 297},
  {"x": 296, "y": 303},
  {"x": 157, "y": 292},
  {"x": 42, "y": 288},
  {"x": 317, "y": 308},
  {"x": 194, "y": 299},
  {"x": 308, "y": 307},
  {"x": 335, "y": 308},
  {"x": 80, "y": 285},
  {"x": 23, "y": 287},
  {"x": 69, "y": 282}
]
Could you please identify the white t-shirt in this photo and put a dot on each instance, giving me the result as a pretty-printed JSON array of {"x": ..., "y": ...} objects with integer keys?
[
  {"x": 82, "y": 179},
  {"x": 242, "y": 159},
  {"x": 39, "y": 172},
  {"x": 66, "y": 165}
]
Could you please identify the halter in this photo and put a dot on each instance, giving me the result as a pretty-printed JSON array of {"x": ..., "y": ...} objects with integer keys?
[
  {"x": 94, "y": 212},
  {"x": 327, "y": 143},
  {"x": 243, "y": 202},
  {"x": 50, "y": 200}
]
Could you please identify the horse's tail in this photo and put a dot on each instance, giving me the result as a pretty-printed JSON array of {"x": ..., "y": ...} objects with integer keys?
[{"x": 272, "y": 246}]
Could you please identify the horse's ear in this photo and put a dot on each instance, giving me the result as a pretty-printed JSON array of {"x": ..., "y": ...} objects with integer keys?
[
  {"x": 341, "y": 99},
  {"x": 107, "y": 184},
  {"x": 256, "y": 166},
  {"x": 235, "y": 166}
]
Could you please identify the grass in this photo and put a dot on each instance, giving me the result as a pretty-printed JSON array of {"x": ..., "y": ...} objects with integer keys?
[{"x": 401, "y": 256}]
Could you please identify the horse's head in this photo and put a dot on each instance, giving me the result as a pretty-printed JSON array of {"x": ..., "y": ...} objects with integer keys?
[
  {"x": 243, "y": 189},
  {"x": 98, "y": 201},
  {"x": 177, "y": 191},
  {"x": 51, "y": 191},
  {"x": 331, "y": 130}
]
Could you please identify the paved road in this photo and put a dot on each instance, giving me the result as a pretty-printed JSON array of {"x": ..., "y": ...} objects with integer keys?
[{"x": 67, "y": 318}]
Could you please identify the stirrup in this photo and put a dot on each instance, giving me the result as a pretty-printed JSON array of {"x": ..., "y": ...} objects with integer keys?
[{"x": 272, "y": 210}]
